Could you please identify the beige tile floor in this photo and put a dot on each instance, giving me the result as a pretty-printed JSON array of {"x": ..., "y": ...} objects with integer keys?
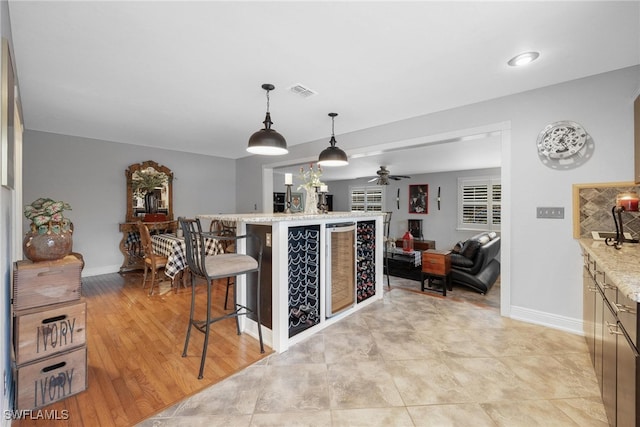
[{"x": 412, "y": 359}]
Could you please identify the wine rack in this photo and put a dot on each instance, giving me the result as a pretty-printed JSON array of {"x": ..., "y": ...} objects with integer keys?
[
  {"x": 366, "y": 261},
  {"x": 304, "y": 277}
]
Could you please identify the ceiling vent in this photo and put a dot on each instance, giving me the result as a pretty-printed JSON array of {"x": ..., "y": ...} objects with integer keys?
[{"x": 302, "y": 90}]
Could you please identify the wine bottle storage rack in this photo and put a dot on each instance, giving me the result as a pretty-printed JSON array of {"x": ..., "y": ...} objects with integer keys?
[
  {"x": 366, "y": 261},
  {"x": 304, "y": 277}
]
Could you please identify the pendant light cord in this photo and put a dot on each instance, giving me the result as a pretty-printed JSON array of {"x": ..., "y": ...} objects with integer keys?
[{"x": 267, "y": 101}]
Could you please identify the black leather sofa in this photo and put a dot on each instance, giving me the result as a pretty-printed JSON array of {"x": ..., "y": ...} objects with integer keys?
[{"x": 474, "y": 263}]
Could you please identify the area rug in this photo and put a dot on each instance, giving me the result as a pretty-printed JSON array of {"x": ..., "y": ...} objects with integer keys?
[{"x": 459, "y": 293}]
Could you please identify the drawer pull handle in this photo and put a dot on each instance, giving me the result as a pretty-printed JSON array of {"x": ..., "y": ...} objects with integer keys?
[
  {"x": 611, "y": 331},
  {"x": 53, "y": 367},
  {"x": 54, "y": 319},
  {"x": 50, "y": 273},
  {"x": 625, "y": 309}
]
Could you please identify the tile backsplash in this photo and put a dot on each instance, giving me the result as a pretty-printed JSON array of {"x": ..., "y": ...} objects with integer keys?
[{"x": 595, "y": 210}]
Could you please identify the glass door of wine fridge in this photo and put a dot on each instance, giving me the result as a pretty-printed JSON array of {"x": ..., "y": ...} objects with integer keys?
[{"x": 340, "y": 269}]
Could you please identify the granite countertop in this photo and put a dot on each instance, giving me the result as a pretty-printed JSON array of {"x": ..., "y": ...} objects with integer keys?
[
  {"x": 622, "y": 267},
  {"x": 276, "y": 217}
]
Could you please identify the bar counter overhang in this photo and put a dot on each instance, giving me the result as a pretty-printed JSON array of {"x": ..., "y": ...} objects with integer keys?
[{"x": 294, "y": 282}]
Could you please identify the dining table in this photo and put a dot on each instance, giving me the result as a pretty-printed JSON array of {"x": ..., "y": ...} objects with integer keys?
[{"x": 174, "y": 248}]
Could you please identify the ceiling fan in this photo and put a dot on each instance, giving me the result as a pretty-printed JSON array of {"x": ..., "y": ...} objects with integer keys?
[{"x": 384, "y": 176}]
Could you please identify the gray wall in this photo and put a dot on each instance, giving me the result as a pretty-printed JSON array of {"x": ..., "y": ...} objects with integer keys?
[
  {"x": 90, "y": 175},
  {"x": 541, "y": 259}
]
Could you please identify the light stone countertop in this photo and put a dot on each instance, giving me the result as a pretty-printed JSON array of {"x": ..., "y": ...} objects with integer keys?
[
  {"x": 622, "y": 267},
  {"x": 277, "y": 217}
]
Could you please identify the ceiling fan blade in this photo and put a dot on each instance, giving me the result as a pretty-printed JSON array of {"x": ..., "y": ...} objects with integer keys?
[{"x": 372, "y": 179}]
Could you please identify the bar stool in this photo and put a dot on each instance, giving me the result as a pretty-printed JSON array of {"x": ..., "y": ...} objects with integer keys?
[{"x": 212, "y": 267}]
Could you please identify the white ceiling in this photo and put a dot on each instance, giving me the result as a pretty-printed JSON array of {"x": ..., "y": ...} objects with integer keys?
[{"x": 186, "y": 75}]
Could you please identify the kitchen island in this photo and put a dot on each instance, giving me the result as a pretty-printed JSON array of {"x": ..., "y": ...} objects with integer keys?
[{"x": 316, "y": 270}]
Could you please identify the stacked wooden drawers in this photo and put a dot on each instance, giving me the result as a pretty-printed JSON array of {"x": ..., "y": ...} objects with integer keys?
[{"x": 49, "y": 331}]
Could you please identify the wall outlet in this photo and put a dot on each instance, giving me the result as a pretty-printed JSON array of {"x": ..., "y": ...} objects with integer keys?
[{"x": 550, "y": 212}]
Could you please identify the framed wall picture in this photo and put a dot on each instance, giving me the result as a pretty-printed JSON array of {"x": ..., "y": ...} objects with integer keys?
[
  {"x": 418, "y": 198},
  {"x": 297, "y": 202}
]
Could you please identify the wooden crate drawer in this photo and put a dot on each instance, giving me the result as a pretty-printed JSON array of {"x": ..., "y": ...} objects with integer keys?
[
  {"x": 436, "y": 262},
  {"x": 44, "y": 331},
  {"x": 52, "y": 379},
  {"x": 48, "y": 282}
]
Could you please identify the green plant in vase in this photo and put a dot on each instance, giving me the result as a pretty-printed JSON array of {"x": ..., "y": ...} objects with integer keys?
[
  {"x": 147, "y": 180},
  {"x": 144, "y": 183},
  {"x": 50, "y": 235}
]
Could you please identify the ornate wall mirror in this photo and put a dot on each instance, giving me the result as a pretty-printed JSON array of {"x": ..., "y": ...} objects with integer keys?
[{"x": 149, "y": 192}]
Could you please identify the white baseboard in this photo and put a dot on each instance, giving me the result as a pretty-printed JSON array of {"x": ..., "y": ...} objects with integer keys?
[
  {"x": 96, "y": 271},
  {"x": 562, "y": 323}
]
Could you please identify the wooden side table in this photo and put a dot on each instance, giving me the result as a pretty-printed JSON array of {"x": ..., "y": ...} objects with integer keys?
[{"x": 436, "y": 264}]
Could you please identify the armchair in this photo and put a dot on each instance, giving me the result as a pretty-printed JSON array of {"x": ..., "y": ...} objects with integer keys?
[{"x": 474, "y": 263}]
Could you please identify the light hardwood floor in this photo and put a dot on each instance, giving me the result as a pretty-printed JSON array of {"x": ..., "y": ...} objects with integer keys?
[{"x": 134, "y": 346}]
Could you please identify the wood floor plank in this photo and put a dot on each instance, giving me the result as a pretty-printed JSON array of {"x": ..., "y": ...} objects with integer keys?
[{"x": 134, "y": 352}]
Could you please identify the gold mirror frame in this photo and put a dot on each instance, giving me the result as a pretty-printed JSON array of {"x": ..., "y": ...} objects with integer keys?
[{"x": 131, "y": 214}]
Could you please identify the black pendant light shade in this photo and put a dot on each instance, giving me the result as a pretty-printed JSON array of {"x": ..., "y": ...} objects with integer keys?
[
  {"x": 267, "y": 141},
  {"x": 332, "y": 155}
]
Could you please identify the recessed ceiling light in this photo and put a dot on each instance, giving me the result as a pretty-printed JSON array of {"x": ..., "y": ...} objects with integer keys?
[{"x": 523, "y": 59}]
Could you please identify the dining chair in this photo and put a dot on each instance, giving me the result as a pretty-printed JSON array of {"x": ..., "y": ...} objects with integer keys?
[
  {"x": 220, "y": 266},
  {"x": 152, "y": 261}
]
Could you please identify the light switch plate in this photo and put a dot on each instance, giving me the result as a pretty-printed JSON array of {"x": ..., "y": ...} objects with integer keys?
[{"x": 550, "y": 212}]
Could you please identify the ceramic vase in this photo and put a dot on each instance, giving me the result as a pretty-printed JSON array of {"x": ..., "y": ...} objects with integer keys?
[
  {"x": 150, "y": 203},
  {"x": 48, "y": 242},
  {"x": 311, "y": 203}
]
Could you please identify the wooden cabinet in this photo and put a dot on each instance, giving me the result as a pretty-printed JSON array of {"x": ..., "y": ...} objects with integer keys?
[
  {"x": 610, "y": 325},
  {"x": 436, "y": 262},
  {"x": 589, "y": 307},
  {"x": 609, "y": 362}
]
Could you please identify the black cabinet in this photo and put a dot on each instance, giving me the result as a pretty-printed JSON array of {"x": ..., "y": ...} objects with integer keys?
[{"x": 279, "y": 202}]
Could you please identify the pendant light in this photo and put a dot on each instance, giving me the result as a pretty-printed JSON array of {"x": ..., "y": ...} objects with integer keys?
[
  {"x": 267, "y": 141},
  {"x": 332, "y": 155}
]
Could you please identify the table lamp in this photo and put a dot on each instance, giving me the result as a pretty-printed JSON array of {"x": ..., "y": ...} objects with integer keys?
[{"x": 627, "y": 201}]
